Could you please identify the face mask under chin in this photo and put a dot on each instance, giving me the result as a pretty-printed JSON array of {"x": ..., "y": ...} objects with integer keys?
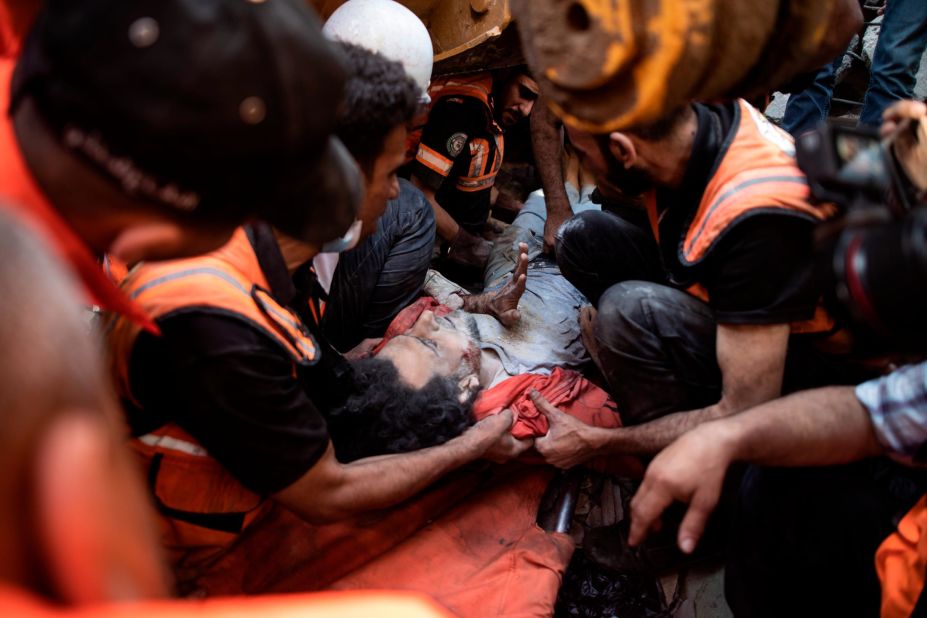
[{"x": 346, "y": 242}]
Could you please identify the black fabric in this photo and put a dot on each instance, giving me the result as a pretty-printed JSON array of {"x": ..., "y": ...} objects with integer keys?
[
  {"x": 804, "y": 539},
  {"x": 384, "y": 274},
  {"x": 232, "y": 388},
  {"x": 656, "y": 350},
  {"x": 761, "y": 272},
  {"x": 94, "y": 74},
  {"x": 595, "y": 250},
  {"x": 273, "y": 265},
  {"x": 453, "y": 124},
  {"x": 678, "y": 206}
]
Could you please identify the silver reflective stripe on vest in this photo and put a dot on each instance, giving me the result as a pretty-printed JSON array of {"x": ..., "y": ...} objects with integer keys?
[
  {"x": 173, "y": 444},
  {"x": 204, "y": 270}
]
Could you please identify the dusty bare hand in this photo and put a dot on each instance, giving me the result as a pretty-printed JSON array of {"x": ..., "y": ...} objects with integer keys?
[
  {"x": 493, "y": 434},
  {"x": 690, "y": 470},
  {"x": 567, "y": 442},
  {"x": 555, "y": 218},
  {"x": 502, "y": 304}
]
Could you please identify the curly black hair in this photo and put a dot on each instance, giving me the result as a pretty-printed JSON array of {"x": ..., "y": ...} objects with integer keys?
[
  {"x": 378, "y": 97},
  {"x": 382, "y": 415}
]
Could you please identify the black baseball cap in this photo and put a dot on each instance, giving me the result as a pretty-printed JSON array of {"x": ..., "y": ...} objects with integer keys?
[{"x": 217, "y": 110}]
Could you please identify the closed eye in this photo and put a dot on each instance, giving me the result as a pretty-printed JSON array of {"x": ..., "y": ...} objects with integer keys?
[{"x": 428, "y": 343}]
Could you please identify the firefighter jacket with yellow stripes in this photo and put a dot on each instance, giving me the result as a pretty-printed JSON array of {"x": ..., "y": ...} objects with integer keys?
[
  {"x": 485, "y": 161},
  {"x": 203, "y": 508},
  {"x": 755, "y": 173}
]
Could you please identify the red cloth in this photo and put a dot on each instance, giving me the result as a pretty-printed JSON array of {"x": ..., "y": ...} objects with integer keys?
[
  {"x": 408, "y": 316},
  {"x": 566, "y": 389},
  {"x": 20, "y": 196}
]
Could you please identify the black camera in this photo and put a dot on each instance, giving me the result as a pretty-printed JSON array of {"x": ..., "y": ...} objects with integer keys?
[{"x": 872, "y": 257}]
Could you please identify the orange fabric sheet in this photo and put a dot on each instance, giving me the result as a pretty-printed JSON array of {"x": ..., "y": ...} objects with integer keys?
[
  {"x": 487, "y": 557},
  {"x": 470, "y": 542}
]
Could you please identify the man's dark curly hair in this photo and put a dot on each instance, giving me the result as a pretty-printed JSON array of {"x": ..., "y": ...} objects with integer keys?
[
  {"x": 378, "y": 97},
  {"x": 382, "y": 415}
]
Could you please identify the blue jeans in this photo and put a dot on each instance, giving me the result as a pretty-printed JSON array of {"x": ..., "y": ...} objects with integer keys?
[
  {"x": 894, "y": 66},
  {"x": 384, "y": 274},
  {"x": 810, "y": 107},
  {"x": 896, "y": 58}
]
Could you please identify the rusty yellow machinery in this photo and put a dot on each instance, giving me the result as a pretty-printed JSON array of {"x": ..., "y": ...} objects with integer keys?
[{"x": 611, "y": 64}]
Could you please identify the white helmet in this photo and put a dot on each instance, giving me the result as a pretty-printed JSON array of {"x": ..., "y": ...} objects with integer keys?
[{"x": 389, "y": 28}]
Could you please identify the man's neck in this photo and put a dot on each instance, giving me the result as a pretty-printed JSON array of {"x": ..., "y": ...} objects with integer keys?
[
  {"x": 492, "y": 371},
  {"x": 669, "y": 158},
  {"x": 295, "y": 253}
]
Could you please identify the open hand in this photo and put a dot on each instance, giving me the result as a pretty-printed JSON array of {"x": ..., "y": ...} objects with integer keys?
[
  {"x": 689, "y": 470},
  {"x": 502, "y": 304}
]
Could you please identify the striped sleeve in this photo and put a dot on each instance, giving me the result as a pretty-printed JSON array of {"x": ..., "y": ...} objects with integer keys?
[{"x": 897, "y": 406}]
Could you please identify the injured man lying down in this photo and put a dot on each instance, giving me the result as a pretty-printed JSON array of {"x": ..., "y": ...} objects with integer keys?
[
  {"x": 452, "y": 358},
  {"x": 470, "y": 541}
]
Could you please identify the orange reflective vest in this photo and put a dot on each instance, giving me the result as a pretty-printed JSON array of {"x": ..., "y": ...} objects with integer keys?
[
  {"x": 901, "y": 562},
  {"x": 757, "y": 174},
  {"x": 482, "y": 172},
  {"x": 203, "y": 507}
]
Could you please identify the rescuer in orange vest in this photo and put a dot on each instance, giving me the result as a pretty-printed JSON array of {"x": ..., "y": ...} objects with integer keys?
[
  {"x": 77, "y": 535},
  {"x": 697, "y": 310},
  {"x": 105, "y": 146},
  {"x": 461, "y": 150},
  {"x": 226, "y": 406},
  {"x": 812, "y": 541}
]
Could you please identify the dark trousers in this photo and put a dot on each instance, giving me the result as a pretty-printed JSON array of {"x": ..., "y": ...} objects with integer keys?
[
  {"x": 384, "y": 274},
  {"x": 804, "y": 539},
  {"x": 656, "y": 342}
]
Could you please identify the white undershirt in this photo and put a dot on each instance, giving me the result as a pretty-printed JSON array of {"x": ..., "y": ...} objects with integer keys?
[{"x": 324, "y": 265}]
